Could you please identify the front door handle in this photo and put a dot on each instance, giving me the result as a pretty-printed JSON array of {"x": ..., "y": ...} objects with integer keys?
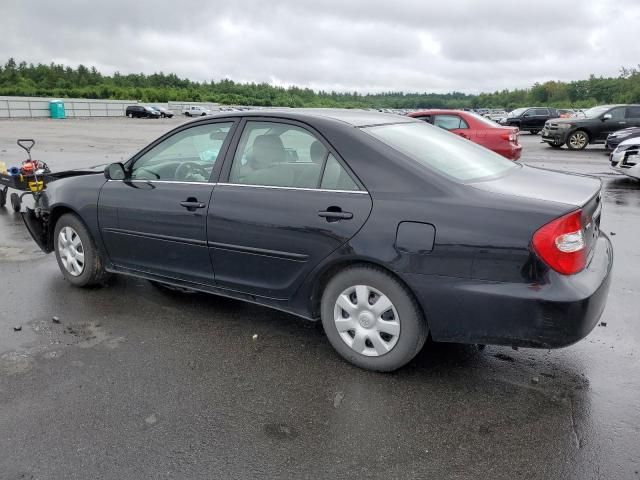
[
  {"x": 192, "y": 204},
  {"x": 334, "y": 214}
]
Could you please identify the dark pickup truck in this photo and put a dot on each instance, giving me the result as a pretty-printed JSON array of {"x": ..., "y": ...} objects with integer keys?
[{"x": 600, "y": 121}]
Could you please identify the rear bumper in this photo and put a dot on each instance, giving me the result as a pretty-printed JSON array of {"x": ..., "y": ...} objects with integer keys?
[
  {"x": 554, "y": 313},
  {"x": 512, "y": 151}
]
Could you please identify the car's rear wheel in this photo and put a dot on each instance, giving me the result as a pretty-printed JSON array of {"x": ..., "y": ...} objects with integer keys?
[
  {"x": 130, "y": 115},
  {"x": 371, "y": 319},
  {"x": 76, "y": 253},
  {"x": 578, "y": 140}
]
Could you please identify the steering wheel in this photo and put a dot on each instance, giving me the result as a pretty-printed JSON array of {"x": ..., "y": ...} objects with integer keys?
[{"x": 187, "y": 170}]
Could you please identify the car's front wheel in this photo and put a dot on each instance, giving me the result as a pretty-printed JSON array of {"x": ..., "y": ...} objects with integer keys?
[
  {"x": 578, "y": 140},
  {"x": 371, "y": 319},
  {"x": 76, "y": 252}
]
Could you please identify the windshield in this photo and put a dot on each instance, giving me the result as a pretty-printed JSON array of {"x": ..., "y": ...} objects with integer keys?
[
  {"x": 442, "y": 151},
  {"x": 517, "y": 112},
  {"x": 596, "y": 111}
]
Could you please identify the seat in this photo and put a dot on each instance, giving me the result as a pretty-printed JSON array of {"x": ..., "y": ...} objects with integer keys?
[{"x": 265, "y": 164}]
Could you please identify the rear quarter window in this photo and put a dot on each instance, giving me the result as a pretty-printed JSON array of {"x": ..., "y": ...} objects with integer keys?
[{"x": 442, "y": 151}]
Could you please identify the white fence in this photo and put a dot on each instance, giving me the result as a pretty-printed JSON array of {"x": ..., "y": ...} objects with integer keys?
[{"x": 36, "y": 107}]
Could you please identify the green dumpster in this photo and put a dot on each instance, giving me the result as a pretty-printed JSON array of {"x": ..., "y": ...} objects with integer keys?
[{"x": 56, "y": 107}]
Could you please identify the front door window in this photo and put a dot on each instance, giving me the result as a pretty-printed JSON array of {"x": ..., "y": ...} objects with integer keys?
[{"x": 187, "y": 156}]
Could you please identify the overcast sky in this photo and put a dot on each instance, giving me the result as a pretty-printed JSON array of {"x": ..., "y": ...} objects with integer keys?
[{"x": 364, "y": 45}]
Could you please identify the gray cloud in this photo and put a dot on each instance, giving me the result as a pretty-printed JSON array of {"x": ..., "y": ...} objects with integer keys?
[{"x": 365, "y": 45}]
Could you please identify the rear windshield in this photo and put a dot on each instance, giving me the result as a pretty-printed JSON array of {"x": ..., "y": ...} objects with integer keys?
[
  {"x": 442, "y": 151},
  {"x": 488, "y": 123}
]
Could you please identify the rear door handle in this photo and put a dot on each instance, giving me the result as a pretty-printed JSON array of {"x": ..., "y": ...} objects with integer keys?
[{"x": 333, "y": 215}]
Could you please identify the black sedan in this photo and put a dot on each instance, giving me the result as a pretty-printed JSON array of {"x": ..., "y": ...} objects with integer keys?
[
  {"x": 385, "y": 228},
  {"x": 614, "y": 139}
]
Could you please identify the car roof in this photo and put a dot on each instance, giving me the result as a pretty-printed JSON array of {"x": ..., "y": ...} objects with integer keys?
[
  {"x": 356, "y": 118},
  {"x": 431, "y": 111}
]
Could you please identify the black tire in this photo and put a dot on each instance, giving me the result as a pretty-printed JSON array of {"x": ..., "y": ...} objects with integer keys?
[
  {"x": 578, "y": 140},
  {"x": 3, "y": 197},
  {"x": 130, "y": 115},
  {"x": 203, "y": 114},
  {"x": 555, "y": 145},
  {"x": 534, "y": 132},
  {"x": 413, "y": 327},
  {"x": 93, "y": 272},
  {"x": 16, "y": 202}
]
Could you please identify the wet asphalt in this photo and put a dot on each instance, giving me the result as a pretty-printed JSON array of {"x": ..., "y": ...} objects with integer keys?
[{"x": 136, "y": 383}]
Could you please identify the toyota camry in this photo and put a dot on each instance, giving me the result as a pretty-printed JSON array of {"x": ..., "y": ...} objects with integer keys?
[{"x": 385, "y": 228}]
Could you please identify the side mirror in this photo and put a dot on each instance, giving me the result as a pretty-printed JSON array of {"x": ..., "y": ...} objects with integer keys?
[
  {"x": 115, "y": 171},
  {"x": 607, "y": 116}
]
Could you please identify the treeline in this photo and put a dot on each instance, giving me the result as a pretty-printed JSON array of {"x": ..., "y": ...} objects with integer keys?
[{"x": 22, "y": 79}]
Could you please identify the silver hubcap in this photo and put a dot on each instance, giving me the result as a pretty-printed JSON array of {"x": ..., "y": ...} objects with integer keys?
[
  {"x": 578, "y": 140},
  {"x": 367, "y": 321},
  {"x": 71, "y": 251}
]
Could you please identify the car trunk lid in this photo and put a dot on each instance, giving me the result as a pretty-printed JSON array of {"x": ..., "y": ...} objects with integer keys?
[{"x": 574, "y": 191}]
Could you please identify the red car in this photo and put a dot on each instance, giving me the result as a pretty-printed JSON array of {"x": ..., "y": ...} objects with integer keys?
[{"x": 502, "y": 140}]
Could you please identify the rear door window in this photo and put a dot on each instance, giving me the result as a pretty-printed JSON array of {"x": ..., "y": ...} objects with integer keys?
[
  {"x": 633, "y": 112},
  {"x": 449, "y": 122}
]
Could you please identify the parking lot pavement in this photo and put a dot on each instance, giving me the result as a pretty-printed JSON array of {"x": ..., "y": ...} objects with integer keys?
[{"x": 136, "y": 383}]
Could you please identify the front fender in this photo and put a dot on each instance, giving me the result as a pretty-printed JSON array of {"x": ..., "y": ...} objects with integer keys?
[
  {"x": 38, "y": 228},
  {"x": 78, "y": 194}
]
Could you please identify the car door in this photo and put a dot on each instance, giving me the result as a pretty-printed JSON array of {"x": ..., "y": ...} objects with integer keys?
[
  {"x": 612, "y": 124},
  {"x": 455, "y": 124},
  {"x": 527, "y": 121},
  {"x": 632, "y": 116},
  {"x": 154, "y": 221},
  {"x": 540, "y": 116},
  {"x": 288, "y": 201}
]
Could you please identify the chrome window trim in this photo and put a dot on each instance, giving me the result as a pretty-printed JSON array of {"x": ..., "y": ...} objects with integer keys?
[
  {"x": 361, "y": 192},
  {"x": 163, "y": 181}
]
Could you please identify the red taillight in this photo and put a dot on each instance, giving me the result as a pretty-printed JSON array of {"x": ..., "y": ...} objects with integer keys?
[
  {"x": 510, "y": 136},
  {"x": 561, "y": 244}
]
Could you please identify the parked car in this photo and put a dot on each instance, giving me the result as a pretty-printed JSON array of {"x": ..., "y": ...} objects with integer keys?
[
  {"x": 614, "y": 139},
  {"x": 495, "y": 115},
  {"x": 164, "y": 112},
  {"x": 140, "y": 111},
  {"x": 625, "y": 158},
  {"x": 474, "y": 127},
  {"x": 383, "y": 227},
  {"x": 598, "y": 123},
  {"x": 530, "y": 119},
  {"x": 196, "y": 111}
]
